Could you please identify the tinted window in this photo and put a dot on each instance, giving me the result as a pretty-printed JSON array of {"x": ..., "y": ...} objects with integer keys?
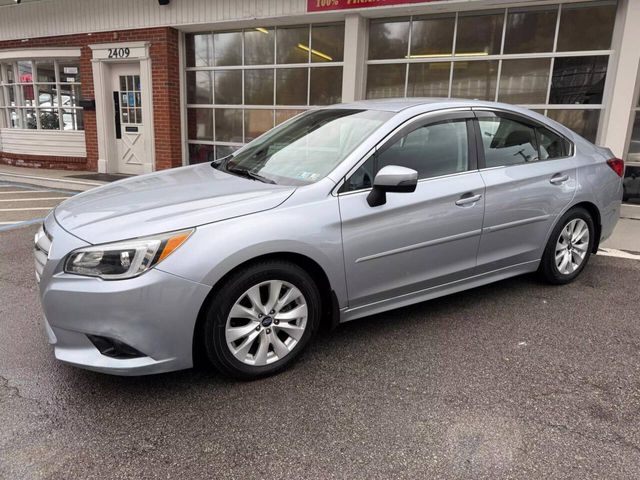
[
  {"x": 552, "y": 145},
  {"x": 431, "y": 150},
  {"x": 507, "y": 142}
]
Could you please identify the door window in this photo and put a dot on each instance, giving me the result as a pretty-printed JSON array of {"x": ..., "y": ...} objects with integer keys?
[
  {"x": 507, "y": 142},
  {"x": 130, "y": 99},
  {"x": 432, "y": 150},
  {"x": 552, "y": 145}
]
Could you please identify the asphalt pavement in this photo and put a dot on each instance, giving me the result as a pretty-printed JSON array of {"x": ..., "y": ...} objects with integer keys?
[{"x": 512, "y": 380}]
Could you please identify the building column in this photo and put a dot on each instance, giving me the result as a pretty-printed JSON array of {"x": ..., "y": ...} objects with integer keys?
[
  {"x": 622, "y": 91},
  {"x": 355, "y": 54}
]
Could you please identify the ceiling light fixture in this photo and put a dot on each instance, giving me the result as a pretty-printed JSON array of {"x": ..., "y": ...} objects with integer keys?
[{"x": 315, "y": 52}]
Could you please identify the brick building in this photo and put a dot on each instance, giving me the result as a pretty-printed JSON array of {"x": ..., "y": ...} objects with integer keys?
[{"x": 130, "y": 87}]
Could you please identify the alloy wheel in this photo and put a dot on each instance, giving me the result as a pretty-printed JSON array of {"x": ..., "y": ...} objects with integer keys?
[
  {"x": 266, "y": 323},
  {"x": 572, "y": 246}
]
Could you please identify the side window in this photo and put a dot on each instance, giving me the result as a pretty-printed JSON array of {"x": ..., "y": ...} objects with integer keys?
[
  {"x": 507, "y": 142},
  {"x": 552, "y": 145},
  {"x": 432, "y": 150}
]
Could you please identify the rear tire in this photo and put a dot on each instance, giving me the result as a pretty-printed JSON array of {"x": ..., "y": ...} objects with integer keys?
[
  {"x": 276, "y": 309},
  {"x": 568, "y": 248}
]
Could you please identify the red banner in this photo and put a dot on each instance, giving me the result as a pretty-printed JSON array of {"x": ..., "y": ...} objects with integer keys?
[{"x": 324, "y": 5}]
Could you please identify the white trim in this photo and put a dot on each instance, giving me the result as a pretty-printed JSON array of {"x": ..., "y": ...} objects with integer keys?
[
  {"x": 182, "y": 85},
  {"x": 139, "y": 53},
  {"x": 38, "y": 53},
  {"x": 65, "y": 143}
]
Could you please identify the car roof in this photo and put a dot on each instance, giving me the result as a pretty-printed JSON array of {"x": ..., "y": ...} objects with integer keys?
[{"x": 430, "y": 103}]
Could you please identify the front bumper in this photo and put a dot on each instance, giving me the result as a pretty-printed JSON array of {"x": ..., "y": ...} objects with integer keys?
[{"x": 154, "y": 313}]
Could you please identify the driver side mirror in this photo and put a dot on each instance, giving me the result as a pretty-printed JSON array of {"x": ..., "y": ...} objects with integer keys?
[{"x": 391, "y": 178}]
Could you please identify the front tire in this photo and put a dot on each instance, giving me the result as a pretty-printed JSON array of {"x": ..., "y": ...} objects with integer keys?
[
  {"x": 568, "y": 248},
  {"x": 261, "y": 319}
]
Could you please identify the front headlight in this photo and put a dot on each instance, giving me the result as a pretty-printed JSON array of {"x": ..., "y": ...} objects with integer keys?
[{"x": 126, "y": 259}]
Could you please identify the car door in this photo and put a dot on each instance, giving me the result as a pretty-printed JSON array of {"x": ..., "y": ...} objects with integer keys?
[
  {"x": 530, "y": 177},
  {"x": 420, "y": 239}
]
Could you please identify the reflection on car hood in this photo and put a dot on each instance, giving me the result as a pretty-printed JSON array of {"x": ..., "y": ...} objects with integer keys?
[{"x": 165, "y": 201}]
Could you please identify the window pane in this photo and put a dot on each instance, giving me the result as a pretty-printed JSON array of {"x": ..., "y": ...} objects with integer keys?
[
  {"x": 326, "y": 85},
  {"x": 259, "y": 46},
  {"x": 200, "y": 153},
  {"x": 327, "y": 42},
  {"x": 476, "y": 80},
  {"x": 69, "y": 95},
  {"x": 28, "y": 95},
  {"x": 634, "y": 144},
  {"x": 199, "y": 50},
  {"x": 386, "y": 80},
  {"x": 292, "y": 42},
  {"x": 30, "y": 121},
  {"x": 530, "y": 30},
  {"x": 551, "y": 145},
  {"x": 432, "y": 150},
  {"x": 199, "y": 87},
  {"x": 583, "y": 122},
  {"x": 578, "y": 80},
  {"x": 432, "y": 36},
  {"x": 291, "y": 86},
  {"x": 362, "y": 178},
  {"x": 228, "y": 125},
  {"x": 69, "y": 71},
  {"x": 388, "y": 39},
  {"x": 46, "y": 72},
  {"x": 224, "y": 151},
  {"x": 596, "y": 20},
  {"x": 507, "y": 142},
  {"x": 258, "y": 87},
  {"x": 72, "y": 119},
  {"x": 284, "y": 115},
  {"x": 429, "y": 79},
  {"x": 256, "y": 122},
  {"x": 228, "y": 48},
  {"x": 25, "y": 75},
  {"x": 478, "y": 33},
  {"x": 524, "y": 81},
  {"x": 49, "y": 119},
  {"x": 47, "y": 95},
  {"x": 13, "y": 118},
  {"x": 200, "y": 123},
  {"x": 228, "y": 87}
]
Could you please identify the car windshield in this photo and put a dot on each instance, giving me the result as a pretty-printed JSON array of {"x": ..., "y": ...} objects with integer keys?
[{"x": 305, "y": 149}]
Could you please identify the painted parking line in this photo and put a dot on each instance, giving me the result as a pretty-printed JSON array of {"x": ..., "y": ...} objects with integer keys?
[
  {"x": 612, "y": 252},
  {"x": 22, "y": 191},
  {"x": 5, "y": 226},
  {"x": 27, "y": 209},
  {"x": 31, "y": 199}
]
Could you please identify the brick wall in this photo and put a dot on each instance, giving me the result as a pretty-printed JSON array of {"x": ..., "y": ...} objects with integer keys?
[{"x": 165, "y": 77}]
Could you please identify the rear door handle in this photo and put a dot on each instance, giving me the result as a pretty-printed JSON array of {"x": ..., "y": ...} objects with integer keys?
[
  {"x": 558, "y": 179},
  {"x": 466, "y": 200}
]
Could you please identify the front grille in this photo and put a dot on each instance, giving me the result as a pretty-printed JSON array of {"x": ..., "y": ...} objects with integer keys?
[{"x": 42, "y": 242}]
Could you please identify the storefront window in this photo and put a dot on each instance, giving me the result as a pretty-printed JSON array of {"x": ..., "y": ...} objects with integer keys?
[
  {"x": 242, "y": 83},
  {"x": 42, "y": 94},
  {"x": 543, "y": 58}
]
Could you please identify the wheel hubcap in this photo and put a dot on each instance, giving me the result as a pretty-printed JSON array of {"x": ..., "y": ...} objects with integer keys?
[
  {"x": 266, "y": 323},
  {"x": 572, "y": 246}
]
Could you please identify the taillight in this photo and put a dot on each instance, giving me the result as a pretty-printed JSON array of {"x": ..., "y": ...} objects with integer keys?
[{"x": 617, "y": 165}]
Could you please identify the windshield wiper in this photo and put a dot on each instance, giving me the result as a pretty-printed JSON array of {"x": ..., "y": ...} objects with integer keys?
[{"x": 243, "y": 172}]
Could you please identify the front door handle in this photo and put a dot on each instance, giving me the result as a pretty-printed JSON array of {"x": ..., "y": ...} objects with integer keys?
[
  {"x": 558, "y": 179},
  {"x": 468, "y": 199}
]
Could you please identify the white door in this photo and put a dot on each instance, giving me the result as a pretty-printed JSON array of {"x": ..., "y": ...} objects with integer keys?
[{"x": 130, "y": 151}]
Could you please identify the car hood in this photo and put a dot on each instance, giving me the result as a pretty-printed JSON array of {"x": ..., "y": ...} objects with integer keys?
[{"x": 165, "y": 201}]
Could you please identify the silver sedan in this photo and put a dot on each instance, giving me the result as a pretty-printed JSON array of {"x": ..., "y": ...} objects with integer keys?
[{"x": 339, "y": 213}]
